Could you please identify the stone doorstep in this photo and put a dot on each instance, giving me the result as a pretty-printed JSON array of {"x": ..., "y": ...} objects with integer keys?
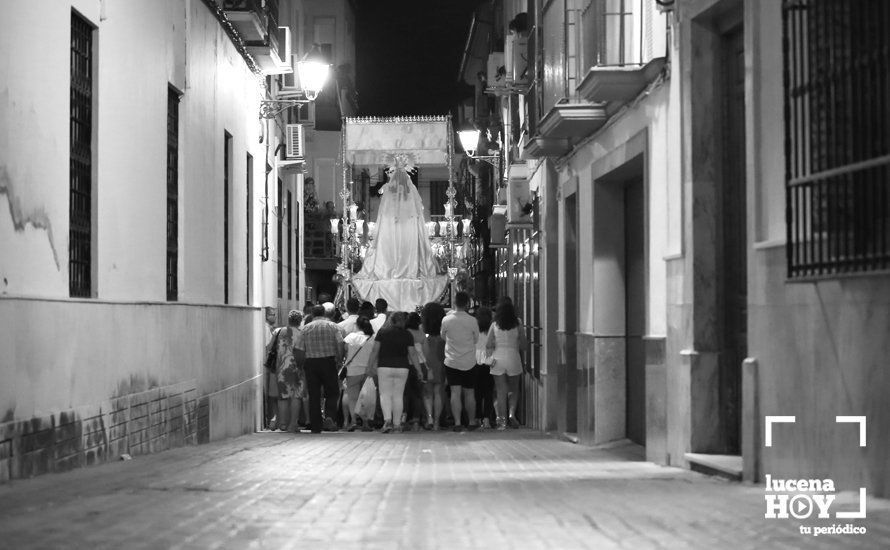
[{"x": 726, "y": 466}]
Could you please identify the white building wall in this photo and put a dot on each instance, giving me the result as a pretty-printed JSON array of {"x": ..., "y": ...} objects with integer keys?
[
  {"x": 127, "y": 339},
  {"x": 653, "y": 116}
]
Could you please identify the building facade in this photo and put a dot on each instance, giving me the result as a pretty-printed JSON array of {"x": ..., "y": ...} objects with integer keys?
[
  {"x": 707, "y": 234},
  {"x": 145, "y": 218}
]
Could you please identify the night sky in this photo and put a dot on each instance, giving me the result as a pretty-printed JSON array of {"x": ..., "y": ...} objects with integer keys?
[{"x": 408, "y": 53}]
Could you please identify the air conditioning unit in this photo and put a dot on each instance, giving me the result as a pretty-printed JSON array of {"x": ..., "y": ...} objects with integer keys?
[
  {"x": 497, "y": 73},
  {"x": 295, "y": 142}
]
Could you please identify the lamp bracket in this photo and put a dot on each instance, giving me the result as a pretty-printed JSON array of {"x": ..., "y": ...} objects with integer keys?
[
  {"x": 493, "y": 160},
  {"x": 271, "y": 108}
]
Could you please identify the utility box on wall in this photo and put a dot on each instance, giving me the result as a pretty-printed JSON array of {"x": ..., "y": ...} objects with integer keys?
[
  {"x": 498, "y": 225},
  {"x": 516, "y": 59},
  {"x": 518, "y": 195}
]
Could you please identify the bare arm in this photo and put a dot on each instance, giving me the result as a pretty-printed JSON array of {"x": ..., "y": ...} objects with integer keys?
[
  {"x": 372, "y": 360},
  {"x": 415, "y": 360}
]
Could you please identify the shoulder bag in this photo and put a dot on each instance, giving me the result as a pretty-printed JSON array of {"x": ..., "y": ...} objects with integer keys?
[{"x": 272, "y": 357}]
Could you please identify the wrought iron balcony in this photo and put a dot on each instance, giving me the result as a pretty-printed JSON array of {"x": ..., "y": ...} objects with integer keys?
[
  {"x": 248, "y": 17},
  {"x": 621, "y": 38}
]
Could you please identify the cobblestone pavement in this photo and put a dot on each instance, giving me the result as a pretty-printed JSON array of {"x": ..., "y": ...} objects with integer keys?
[{"x": 516, "y": 489}]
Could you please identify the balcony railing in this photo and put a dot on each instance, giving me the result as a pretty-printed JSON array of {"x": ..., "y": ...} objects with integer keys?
[
  {"x": 614, "y": 31},
  {"x": 623, "y": 48}
]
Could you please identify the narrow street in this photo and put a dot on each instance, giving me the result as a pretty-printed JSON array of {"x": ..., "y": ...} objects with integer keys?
[{"x": 516, "y": 489}]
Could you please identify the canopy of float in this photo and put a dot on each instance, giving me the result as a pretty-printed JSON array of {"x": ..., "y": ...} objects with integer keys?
[{"x": 370, "y": 141}]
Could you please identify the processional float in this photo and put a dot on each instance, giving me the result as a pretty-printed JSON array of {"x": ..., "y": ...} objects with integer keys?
[{"x": 372, "y": 142}]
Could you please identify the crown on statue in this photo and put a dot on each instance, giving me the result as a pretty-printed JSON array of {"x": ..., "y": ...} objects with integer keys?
[{"x": 403, "y": 161}]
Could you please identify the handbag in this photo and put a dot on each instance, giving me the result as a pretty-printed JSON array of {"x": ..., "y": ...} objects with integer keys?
[
  {"x": 272, "y": 357},
  {"x": 366, "y": 404},
  {"x": 342, "y": 372}
]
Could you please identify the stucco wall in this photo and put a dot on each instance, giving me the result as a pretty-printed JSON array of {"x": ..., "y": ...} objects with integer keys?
[
  {"x": 653, "y": 117},
  {"x": 62, "y": 354}
]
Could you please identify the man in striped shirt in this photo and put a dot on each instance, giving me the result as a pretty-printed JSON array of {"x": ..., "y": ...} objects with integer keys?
[{"x": 319, "y": 349}]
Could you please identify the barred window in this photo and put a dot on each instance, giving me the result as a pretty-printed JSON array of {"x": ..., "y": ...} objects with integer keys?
[
  {"x": 290, "y": 245},
  {"x": 227, "y": 167},
  {"x": 80, "y": 235},
  {"x": 172, "y": 194},
  {"x": 280, "y": 216},
  {"x": 248, "y": 241},
  {"x": 837, "y": 136}
]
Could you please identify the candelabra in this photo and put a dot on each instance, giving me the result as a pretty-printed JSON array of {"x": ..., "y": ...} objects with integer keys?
[{"x": 349, "y": 231}]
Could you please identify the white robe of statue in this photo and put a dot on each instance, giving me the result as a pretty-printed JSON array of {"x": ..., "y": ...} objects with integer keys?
[{"x": 400, "y": 265}]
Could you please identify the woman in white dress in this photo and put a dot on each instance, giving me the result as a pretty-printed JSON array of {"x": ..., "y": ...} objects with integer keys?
[
  {"x": 400, "y": 265},
  {"x": 506, "y": 340}
]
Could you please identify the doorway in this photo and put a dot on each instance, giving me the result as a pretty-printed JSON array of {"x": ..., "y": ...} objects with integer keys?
[
  {"x": 570, "y": 319},
  {"x": 619, "y": 280},
  {"x": 733, "y": 265},
  {"x": 635, "y": 310}
]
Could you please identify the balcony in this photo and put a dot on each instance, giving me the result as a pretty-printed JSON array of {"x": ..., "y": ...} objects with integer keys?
[
  {"x": 248, "y": 18},
  {"x": 622, "y": 42},
  {"x": 271, "y": 54},
  {"x": 572, "y": 120},
  {"x": 536, "y": 147},
  {"x": 619, "y": 83}
]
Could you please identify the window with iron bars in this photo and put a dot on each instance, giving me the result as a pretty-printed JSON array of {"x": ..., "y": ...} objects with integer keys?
[
  {"x": 172, "y": 194},
  {"x": 290, "y": 246},
  {"x": 279, "y": 217},
  {"x": 227, "y": 167},
  {"x": 837, "y": 136},
  {"x": 80, "y": 235}
]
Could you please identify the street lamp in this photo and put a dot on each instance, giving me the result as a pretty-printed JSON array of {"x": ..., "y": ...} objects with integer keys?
[
  {"x": 313, "y": 70},
  {"x": 469, "y": 141}
]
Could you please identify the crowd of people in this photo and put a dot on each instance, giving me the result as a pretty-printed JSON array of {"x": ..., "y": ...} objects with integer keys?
[{"x": 322, "y": 367}]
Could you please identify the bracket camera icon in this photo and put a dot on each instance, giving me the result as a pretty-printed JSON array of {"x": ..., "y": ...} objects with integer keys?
[{"x": 768, "y": 442}]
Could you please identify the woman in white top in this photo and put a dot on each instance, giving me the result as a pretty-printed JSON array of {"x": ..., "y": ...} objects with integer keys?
[
  {"x": 506, "y": 342},
  {"x": 358, "y": 351}
]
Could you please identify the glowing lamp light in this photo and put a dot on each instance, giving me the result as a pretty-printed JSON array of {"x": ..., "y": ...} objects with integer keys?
[
  {"x": 372, "y": 228},
  {"x": 353, "y": 211},
  {"x": 466, "y": 223},
  {"x": 360, "y": 226},
  {"x": 449, "y": 208},
  {"x": 335, "y": 225},
  {"x": 469, "y": 139},
  {"x": 454, "y": 228},
  {"x": 431, "y": 228},
  {"x": 313, "y": 70}
]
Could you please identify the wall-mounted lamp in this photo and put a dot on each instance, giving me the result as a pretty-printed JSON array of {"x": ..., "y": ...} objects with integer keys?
[
  {"x": 313, "y": 70},
  {"x": 469, "y": 141}
]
